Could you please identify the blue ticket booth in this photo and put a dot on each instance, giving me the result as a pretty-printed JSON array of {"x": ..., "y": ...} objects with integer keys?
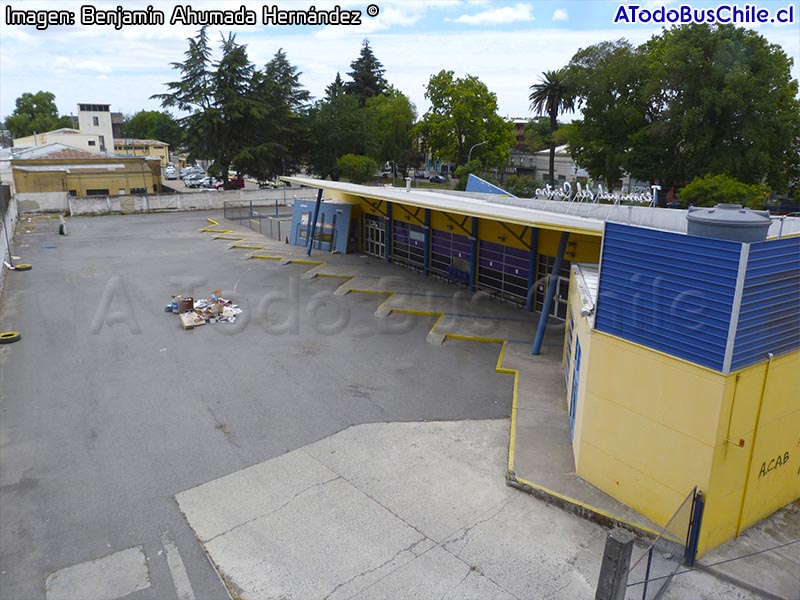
[{"x": 334, "y": 225}]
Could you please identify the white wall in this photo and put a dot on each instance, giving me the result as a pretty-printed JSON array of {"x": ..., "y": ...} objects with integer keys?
[
  {"x": 61, "y": 201},
  {"x": 7, "y": 225}
]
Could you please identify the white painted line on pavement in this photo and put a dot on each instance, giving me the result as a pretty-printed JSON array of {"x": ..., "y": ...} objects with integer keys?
[{"x": 179, "y": 576}]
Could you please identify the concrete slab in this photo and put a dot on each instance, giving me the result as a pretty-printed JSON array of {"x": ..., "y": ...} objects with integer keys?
[
  {"x": 367, "y": 533},
  {"x": 226, "y": 503},
  {"x": 335, "y": 538},
  {"x": 106, "y": 578},
  {"x": 430, "y": 474},
  {"x": 437, "y": 574}
]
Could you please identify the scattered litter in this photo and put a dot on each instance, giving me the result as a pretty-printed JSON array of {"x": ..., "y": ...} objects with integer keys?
[
  {"x": 194, "y": 313},
  {"x": 163, "y": 350}
]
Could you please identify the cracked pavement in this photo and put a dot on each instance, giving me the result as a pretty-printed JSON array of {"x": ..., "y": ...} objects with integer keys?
[{"x": 398, "y": 510}]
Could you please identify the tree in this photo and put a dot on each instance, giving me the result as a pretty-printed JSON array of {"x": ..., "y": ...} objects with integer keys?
[
  {"x": 337, "y": 128},
  {"x": 367, "y": 75},
  {"x": 552, "y": 96},
  {"x": 229, "y": 111},
  {"x": 694, "y": 100},
  {"x": 607, "y": 78},
  {"x": 153, "y": 125},
  {"x": 357, "y": 168},
  {"x": 720, "y": 189},
  {"x": 389, "y": 119},
  {"x": 287, "y": 126},
  {"x": 35, "y": 113},
  {"x": 723, "y": 101},
  {"x": 463, "y": 113}
]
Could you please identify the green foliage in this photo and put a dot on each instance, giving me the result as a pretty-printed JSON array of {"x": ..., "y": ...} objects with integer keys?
[
  {"x": 35, "y": 112},
  {"x": 554, "y": 94},
  {"x": 711, "y": 190},
  {"x": 287, "y": 123},
  {"x": 521, "y": 186},
  {"x": 239, "y": 114},
  {"x": 463, "y": 172},
  {"x": 337, "y": 128},
  {"x": 357, "y": 169},
  {"x": 153, "y": 125},
  {"x": 367, "y": 75},
  {"x": 464, "y": 113},
  {"x": 693, "y": 100},
  {"x": 389, "y": 119}
]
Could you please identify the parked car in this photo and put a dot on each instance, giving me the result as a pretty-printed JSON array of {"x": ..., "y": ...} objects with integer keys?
[
  {"x": 193, "y": 180},
  {"x": 233, "y": 183},
  {"x": 193, "y": 170},
  {"x": 437, "y": 179},
  {"x": 170, "y": 172}
]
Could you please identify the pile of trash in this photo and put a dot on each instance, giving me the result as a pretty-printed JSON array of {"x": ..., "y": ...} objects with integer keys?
[{"x": 194, "y": 313}]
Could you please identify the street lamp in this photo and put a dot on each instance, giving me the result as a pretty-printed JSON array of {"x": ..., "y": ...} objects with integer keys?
[{"x": 469, "y": 154}]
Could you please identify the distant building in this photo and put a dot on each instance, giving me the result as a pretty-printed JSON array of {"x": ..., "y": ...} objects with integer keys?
[
  {"x": 68, "y": 137},
  {"x": 97, "y": 129},
  {"x": 135, "y": 147},
  {"x": 61, "y": 168},
  {"x": 96, "y": 119}
]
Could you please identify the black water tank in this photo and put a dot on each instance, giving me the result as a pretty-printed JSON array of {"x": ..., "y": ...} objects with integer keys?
[{"x": 729, "y": 222}]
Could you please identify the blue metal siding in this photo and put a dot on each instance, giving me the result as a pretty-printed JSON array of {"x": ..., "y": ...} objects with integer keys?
[
  {"x": 769, "y": 318},
  {"x": 667, "y": 291}
]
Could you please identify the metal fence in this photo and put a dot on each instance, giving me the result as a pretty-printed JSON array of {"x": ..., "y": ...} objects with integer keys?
[
  {"x": 676, "y": 545},
  {"x": 270, "y": 217}
]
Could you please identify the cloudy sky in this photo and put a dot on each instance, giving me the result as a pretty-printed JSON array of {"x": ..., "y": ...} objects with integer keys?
[{"x": 506, "y": 44}]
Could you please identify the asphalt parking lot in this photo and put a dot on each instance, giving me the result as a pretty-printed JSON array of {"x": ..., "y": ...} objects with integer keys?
[
  {"x": 109, "y": 408},
  {"x": 310, "y": 450}
]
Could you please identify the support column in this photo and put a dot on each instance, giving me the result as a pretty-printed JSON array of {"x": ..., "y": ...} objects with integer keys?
[
  {"x": 473, "y": 262},
  {"x": 551, "y": 292},
  {"x": 388, "y": 236},
  {"x": 532, "y": 268},
  {"x": 314, "y": 222},
  {"x": 427, "y": 242}
]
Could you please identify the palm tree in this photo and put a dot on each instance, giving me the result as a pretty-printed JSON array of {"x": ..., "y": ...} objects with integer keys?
[{"x": 552, "y": 96}]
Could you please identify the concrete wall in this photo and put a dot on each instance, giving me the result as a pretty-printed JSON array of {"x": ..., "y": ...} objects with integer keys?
[
  {"x": 42, "y": 202},
  {"x": 30, "y": 202},
  {"x": 7, "y": 226}
]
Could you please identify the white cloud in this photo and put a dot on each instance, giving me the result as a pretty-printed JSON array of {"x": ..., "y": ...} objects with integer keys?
[
  {"x": 498, "y": 16},
  {"x": 389, "y": 17},
  {"x": 560, "y": 15},
  {"x": 64, "y": 64}
]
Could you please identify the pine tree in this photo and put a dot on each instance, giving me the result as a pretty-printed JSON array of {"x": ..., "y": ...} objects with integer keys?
[{"x": 367, "y": 75}]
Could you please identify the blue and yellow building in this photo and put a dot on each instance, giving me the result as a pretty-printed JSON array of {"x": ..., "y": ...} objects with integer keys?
[{"x": 681, "y": 353}]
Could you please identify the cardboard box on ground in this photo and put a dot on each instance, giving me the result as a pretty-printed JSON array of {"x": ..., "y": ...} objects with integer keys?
[{"x": 194, "y": 313}]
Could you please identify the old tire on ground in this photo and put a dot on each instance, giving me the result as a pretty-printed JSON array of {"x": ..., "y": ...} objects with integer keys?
[{"x": 9, "y": 337}]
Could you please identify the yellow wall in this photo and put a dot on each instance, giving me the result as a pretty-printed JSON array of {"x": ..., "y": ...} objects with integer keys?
[
  {"x": 651, "y": 427},
  {"x": 583, "y": 248},
  {"x": 581, "y": 333},
  {"x": 136, "y": 174},
  {"x": 736, "y": 499},
  {"x": 144, "y": 150}
]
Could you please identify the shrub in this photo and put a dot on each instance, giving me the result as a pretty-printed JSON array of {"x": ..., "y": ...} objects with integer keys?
[
  {"x": 357, "y": 168},
  {"x": 711, "y": 190}
]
